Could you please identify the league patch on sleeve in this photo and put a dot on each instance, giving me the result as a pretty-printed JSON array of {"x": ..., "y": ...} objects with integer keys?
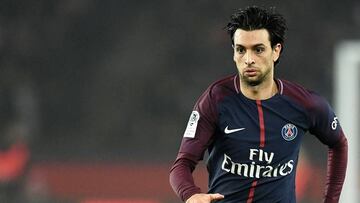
[{"x": 192, "y": 125}]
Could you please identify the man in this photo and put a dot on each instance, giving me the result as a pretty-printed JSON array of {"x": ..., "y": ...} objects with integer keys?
[{"x": 252, "y": 124}]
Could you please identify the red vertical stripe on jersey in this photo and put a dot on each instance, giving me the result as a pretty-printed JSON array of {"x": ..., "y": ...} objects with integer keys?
[
  {"x": 252, "y": 191},
  {"x": 262, "y": 144},
  {"x": 261, "y": 123}
]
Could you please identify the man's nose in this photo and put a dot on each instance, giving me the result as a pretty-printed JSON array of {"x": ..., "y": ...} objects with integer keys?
[{"x": 249, "y": 59}]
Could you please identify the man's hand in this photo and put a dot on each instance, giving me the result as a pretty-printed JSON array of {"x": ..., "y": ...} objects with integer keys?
[{"x": 204, "y": 198}]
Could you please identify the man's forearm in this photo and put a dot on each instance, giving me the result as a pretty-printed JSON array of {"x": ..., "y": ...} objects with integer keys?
[
  {"x": 336, "y": 169},
  {"x": 181, "y": 179}
]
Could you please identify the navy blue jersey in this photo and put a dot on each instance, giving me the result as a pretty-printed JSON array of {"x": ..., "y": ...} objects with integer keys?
[{"x": 253, "y": 145}]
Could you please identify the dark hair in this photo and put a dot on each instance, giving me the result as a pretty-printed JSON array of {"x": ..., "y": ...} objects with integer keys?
[{"x": 255, "y": 18}]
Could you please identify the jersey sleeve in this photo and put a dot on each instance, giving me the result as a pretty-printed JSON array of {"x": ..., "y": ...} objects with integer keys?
[
  {"x": 326, "y": 127},
  {"x": 196, "y": 140},
  {"x": 324, "y": 123},
  {"x": 197, "y": 137}
]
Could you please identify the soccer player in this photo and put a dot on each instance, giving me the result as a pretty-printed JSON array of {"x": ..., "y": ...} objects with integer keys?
[{"x": 252, "y": 124}]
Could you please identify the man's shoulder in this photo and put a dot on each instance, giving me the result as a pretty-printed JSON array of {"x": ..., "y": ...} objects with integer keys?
[
  {"x": 306, "y": 97},
  {"x": 227, "y": 84},
  {"x": 292, "y": 88},
  {"x": 219, "y": 89}
]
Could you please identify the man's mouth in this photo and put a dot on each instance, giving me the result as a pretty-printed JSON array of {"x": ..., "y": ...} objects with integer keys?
[{"x": 250, "y": 72}]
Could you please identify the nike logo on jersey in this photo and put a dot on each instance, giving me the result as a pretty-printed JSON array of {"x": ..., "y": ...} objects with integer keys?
[{"x": 228, "y": 131}]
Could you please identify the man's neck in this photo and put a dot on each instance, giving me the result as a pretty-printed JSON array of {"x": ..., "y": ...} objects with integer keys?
[{"x": 264, "y": 90}]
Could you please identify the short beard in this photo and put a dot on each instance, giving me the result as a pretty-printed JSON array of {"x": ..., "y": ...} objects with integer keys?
[
  {"x": 252, "y": 83},
  {"x": 257, "y": 82},
  {"x": 260, "y": 79}
]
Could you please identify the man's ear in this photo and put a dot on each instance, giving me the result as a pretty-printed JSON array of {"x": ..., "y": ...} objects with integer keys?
[
  {"x": 276, "y": 52},
  {"x": 233, "y": 48}
]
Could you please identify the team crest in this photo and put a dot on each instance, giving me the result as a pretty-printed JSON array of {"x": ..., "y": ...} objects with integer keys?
[{"x": 289, "y": 131}]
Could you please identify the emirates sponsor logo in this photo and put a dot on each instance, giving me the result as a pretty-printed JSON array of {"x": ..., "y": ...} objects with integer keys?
[{"x": 255, "y": 170}]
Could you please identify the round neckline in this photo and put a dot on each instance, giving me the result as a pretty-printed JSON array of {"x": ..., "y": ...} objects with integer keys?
[
  {"x": 262, "y": 100},
  {"x": 278, "y": 83}
]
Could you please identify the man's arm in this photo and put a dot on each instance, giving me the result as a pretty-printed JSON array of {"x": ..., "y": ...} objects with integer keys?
[
  {"x": 336, "y": 169},
  {"x": 198, "y": 136},
  {"x": 181, "y": 179},
  {"x": 182, "y": 182},
  {"x": 326, "y": 127}
]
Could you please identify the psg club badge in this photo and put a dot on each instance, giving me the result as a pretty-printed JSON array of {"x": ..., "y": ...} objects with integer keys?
[{"x": 289, "y": 131}]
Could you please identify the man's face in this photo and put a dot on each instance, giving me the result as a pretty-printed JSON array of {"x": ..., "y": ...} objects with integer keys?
[{"x": 254, "y": 56}]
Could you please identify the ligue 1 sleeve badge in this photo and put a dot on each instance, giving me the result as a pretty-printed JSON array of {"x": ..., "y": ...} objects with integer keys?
[
  {"x": 289, "y": 131},
  {"x": 192, "y": 125}
]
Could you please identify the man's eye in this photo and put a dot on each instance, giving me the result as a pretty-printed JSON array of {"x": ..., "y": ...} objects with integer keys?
[
  {"x": 240, "y": 50},
  {"x": 259, "y": 50}
]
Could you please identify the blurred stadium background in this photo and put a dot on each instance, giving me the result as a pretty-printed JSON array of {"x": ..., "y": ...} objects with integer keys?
[{"x": 95, "y": 95}]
